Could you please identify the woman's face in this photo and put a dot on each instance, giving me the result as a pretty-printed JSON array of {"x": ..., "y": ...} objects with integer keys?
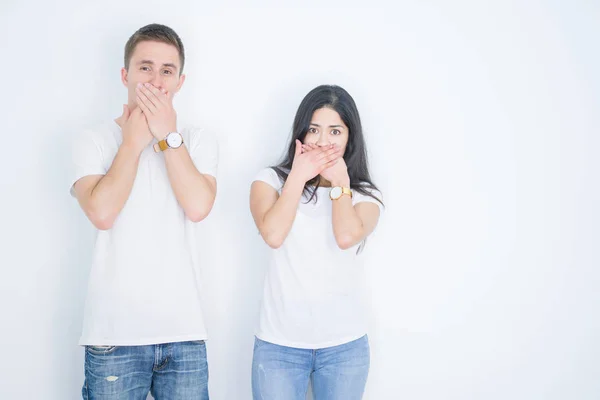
[{"x": 326, "y": 128}]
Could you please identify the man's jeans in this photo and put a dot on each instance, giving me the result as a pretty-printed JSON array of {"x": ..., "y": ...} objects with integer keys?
[{"x": 170, "y": 371}]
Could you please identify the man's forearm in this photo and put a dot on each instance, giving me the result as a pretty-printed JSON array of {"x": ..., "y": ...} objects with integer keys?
[
  {"x": 110, "y": 194},
  {"x": 193, "y": 190}
]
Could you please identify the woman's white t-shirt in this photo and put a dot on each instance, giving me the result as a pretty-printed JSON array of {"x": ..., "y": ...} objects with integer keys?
[{"x": 314, "y": 292}]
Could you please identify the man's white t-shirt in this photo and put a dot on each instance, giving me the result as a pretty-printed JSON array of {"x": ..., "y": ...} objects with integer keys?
[
  {"x": 143, "y": 285},
  {"x": 314, "y": 292}
]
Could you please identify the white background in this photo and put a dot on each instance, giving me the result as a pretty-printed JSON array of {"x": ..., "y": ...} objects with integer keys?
[{"x": 482, "y": 127}]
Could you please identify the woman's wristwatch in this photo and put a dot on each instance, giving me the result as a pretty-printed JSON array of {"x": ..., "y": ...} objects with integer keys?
[{"x": 337, "y": 192}]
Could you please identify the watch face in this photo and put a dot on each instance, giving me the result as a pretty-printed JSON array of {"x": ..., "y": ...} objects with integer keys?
[
  {"x": 335, "y": 193},
  {"x": 174, "y": 140}
]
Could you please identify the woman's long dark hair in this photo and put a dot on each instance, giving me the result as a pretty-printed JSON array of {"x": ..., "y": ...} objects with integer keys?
[{"x": 355, "y": 156}]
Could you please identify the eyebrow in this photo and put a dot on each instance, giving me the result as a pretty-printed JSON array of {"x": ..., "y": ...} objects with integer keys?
[
  {"x": 152, "y": 63},
  {"x": 331, "y": 126}
]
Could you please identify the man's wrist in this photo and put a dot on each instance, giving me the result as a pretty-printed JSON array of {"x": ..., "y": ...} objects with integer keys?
[
  {"x": 162, "y": 135},
  {"x": 130, "y": 148}
]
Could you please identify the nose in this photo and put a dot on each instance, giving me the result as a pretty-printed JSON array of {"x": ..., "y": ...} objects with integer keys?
[
  {"x": 157, "y": 80},
  {"x": 322, "y": 140}
]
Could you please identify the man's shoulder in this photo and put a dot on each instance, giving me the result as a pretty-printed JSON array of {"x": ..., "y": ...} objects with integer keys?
[
  {"x": 191, "y": 130},
  {"x": 194, "y": 135},
  {"x": 102, "y": 131},
  {"x": 102, "y": 135}
]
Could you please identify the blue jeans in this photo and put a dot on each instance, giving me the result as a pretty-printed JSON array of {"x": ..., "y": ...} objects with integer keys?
[
  {"x": 338, "y": 372},
  {"x": 170, "y": 371}
]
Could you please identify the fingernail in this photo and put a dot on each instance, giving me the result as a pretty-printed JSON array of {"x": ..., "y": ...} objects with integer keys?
[{"x": 147, "y": 84}]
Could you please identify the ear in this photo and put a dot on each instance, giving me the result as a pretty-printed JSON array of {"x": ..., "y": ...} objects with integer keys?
[
  {"x": 180, "y": 84},
  {"x": 124, "y": 76}
]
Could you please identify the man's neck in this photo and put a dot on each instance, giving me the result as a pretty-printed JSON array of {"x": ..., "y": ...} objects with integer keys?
[{"x": 120, "y": 120}]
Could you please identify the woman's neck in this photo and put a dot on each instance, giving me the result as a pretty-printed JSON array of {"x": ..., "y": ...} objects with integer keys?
[{"x": 324, "y": 183}]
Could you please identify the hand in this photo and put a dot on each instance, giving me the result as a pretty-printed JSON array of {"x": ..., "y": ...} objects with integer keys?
[
  {"x": 135, "y": 128},
  {"x": 310, "y": 163},
  {"x": 158, "y": 109},
  {"x": 337, "y": 174}
]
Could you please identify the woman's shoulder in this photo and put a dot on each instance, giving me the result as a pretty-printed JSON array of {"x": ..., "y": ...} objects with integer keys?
[
  {"x": 269, "y": 176},
  {"x": 366, "y": 192}
]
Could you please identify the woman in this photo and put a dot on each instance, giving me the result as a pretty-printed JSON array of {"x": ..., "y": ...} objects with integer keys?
[{"x": 315, "y": 210}]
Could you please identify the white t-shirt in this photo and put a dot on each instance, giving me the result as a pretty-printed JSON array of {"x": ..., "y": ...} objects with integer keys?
[
  {"x": 143, "y": 286},
  {"x": 314, "y": 293}
]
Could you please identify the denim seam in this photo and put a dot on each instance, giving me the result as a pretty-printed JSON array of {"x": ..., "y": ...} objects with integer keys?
[{"x": 87, "y": 390}]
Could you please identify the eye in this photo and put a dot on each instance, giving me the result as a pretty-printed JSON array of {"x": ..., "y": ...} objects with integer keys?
[
  {"x": 167, "y": 72},
  {"x": 144, "y": 68},
  {"x": 312, "y": 130},
  {"x": 335, "y": 132}
]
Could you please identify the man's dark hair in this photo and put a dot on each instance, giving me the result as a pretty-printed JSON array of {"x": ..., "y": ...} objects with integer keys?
[{"x": 154, "y": 33}]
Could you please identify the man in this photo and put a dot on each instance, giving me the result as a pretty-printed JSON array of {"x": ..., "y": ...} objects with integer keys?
[{"x": 144, "y": 181}]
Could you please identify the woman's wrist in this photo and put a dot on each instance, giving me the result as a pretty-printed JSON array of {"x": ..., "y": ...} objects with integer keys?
[
  {"x": 342, "y": 182},
  {"x": 294, "y": 180}
]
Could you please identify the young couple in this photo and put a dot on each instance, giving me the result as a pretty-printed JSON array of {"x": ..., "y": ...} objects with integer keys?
[{"x": 144, "y": 181}]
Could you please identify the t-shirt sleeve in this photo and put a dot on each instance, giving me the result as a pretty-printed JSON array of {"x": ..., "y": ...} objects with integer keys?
[
  {"x": 360, "y": 198},
  {"x": 87, "y": 158},
  {"x": 270, "y": 177},
  {"x": 204, "y": 152}
]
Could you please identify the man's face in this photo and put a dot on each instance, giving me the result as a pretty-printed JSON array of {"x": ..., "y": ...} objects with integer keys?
[{"x": 154, "y": 62}]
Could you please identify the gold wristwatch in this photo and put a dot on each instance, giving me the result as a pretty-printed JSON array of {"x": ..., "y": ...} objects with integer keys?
[{"x": 337, "y": 192}]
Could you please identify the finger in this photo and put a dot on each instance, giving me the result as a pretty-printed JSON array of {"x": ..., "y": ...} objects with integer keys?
[
  {"x": 316, "y": 151},
  {"x": 136, "y": 112},
  {"x": 324, "y": 148},
  {"x": 140, "y": 114},
  {"x": 329, "y": 164},
  {"x": 143, "y": 107},
  {"x": 328, "y": 153},
  {"x": 151, "y": 95},
  {"x": 159, "y": 94},
  {"x": 329, "y": 158},
  {"x": 312, "y": 146},
  {"x": 146, "y": 95},
  {"x": 143, "y": 99},
  {"x": 298, "y": 148}
]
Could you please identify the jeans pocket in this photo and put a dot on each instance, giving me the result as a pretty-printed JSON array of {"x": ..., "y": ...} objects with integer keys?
[
  {"x": 259, "y": 343},
  {"x": 101, "y": 350}
]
